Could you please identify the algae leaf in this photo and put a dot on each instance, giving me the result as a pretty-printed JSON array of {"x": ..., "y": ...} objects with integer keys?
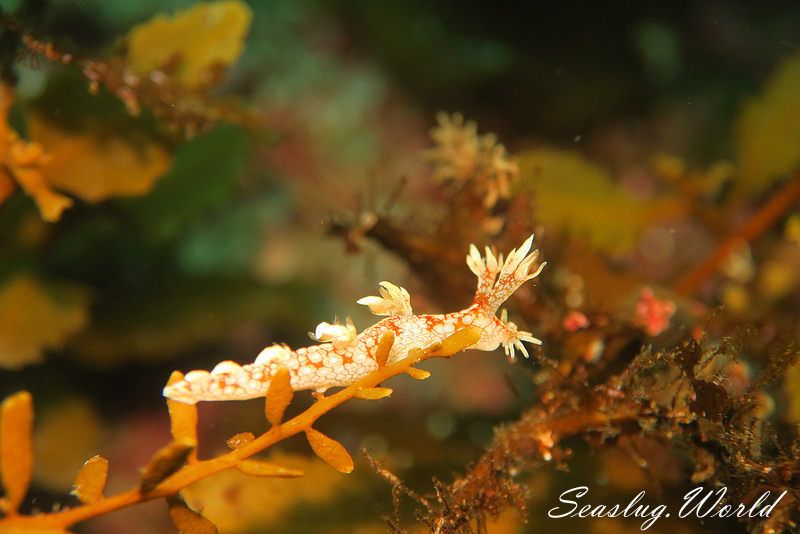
[
  {"x": 16, "y": 451},
  {"x": 91, "y": 480},
  {"x": 330, "y": 451},
  {"x": 454, "y": 343},
  {"x": 418, "y": 374},
  {"x": 33, "y": 319},
  {"x": 22, "y": 163},
  {"x": 182, "y": 416},
  {"x": 192, "y": 42},
  {"x": 373, "y": 393},
  {"x": 768, "y": 130},
  {"x": 384, "y": 348},
  {"x": 579, "y": 196},
  {"x": 187, "y": 521},
  {"x": 279, "y": 396},
  {"x": 94, "y": 166},
  {"x": 257, "y": 468},
  {"x": 164, "y": 462}
]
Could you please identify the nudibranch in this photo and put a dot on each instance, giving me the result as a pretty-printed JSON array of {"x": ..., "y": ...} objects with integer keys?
[{"x": 343, "y": 356}]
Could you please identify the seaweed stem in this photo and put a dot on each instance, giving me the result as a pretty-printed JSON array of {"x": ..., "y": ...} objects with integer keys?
[{"x": 756, "y": 225}]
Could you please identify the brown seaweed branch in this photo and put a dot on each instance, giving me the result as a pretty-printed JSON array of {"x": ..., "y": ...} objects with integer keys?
[
  {"x": 489, "y": 486},
  {"x": 761, "y": 221},
  {"x": 174, "y": 467},
  {"x": 189, "y": 110},
  {"x": 728, "y": 443}
]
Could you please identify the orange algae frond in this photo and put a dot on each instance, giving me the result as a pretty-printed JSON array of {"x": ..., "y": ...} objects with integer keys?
[
  {"x": 91, "y": 480},
  {"x": 279, "y": 396},
  {"x": 16, "y": 450},
  {"x": 330, "y": 450},
  {"x": 22, "y": 164}
]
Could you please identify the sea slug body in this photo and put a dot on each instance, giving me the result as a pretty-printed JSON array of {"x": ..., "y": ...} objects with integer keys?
[{"x": 344, "y": 356}]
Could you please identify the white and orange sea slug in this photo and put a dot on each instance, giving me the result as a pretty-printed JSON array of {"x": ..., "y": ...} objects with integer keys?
[{"x": 344, "y": 356}]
